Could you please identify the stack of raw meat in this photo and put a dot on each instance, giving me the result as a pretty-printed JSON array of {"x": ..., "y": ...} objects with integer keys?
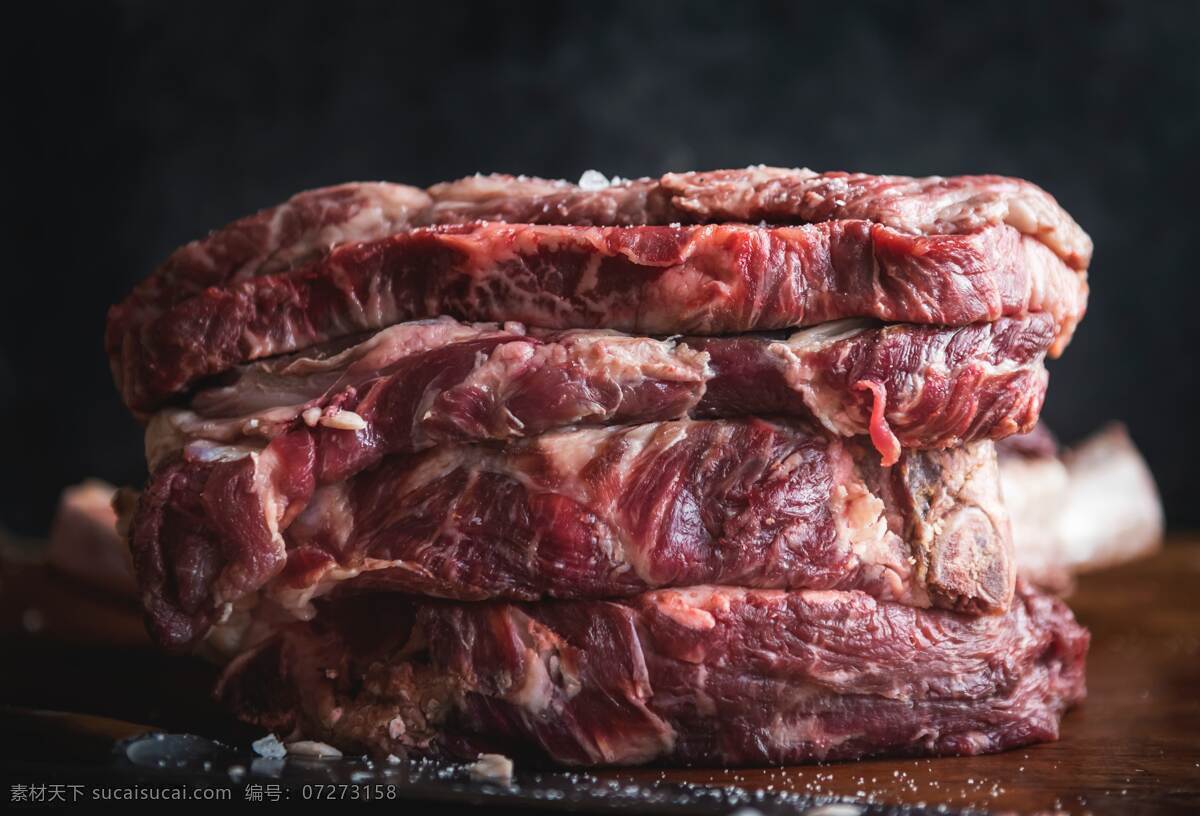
[{"x": 697, "y": 469}]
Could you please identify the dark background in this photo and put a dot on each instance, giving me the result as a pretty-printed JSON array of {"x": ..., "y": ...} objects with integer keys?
[{"x": 138, "y": 126}]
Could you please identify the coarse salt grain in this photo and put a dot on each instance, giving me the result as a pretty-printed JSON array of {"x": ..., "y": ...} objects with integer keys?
[
  {"x": 269, "y": 747},
  {"x": 593, "y": 180},
  {"x": 495, "y": 768},
  {"x": 314, "y": 750}
]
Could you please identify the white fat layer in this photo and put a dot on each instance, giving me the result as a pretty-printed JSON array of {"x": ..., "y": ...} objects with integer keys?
[{"x": 676, "y": 607}]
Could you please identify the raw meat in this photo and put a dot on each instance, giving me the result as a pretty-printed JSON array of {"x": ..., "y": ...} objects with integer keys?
[
  {"x": 418, "y": 384},
  {"x": 308, "y": 224},
  {"x": 712, "y": 676},
  {"x": 658, "y": 280},
  {"x": 919, "y": 206},
  {"x": 584, "y": 513}
]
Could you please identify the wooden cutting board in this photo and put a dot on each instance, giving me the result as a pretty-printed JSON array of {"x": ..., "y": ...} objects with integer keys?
[{"x": 1133, "y": 747}]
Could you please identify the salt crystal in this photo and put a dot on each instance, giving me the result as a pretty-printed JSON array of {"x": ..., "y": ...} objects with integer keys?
[
  {"x": 269, "y": 747},
  {"x": 495, "y": 768},
  {"x": 314, "y": 750},
  {"x": 593, "y": 180}
]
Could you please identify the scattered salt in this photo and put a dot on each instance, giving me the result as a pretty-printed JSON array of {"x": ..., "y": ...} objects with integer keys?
[
  {"x": 315, "y": 750},
  {"x": 269, "y": 747},
  {"x": 495, "y": 768}
]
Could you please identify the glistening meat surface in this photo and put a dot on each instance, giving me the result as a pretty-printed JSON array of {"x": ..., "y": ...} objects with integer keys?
[
  {"x": 310, "y": 223},
  {"x": 658, "y": 280},
  {"x": 705, "y": 675},
  {"x": 305, "y": 227},
  {"x": 919, "y": 206},
  {"x": 582, "y": 513},
  {"x": 418, "y": 384}
]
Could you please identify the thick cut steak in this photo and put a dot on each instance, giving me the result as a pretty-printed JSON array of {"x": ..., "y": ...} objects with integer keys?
[
  {"x": 579, "y": 514},
  {"x": 707, "y": 676},
  {"x": 309, "y": 223},
  {"x": 418, "y": 384},
  {"x": 706, "y": 280}
]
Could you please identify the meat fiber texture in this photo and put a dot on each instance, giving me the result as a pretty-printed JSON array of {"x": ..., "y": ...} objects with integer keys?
[
  {"x": 418, "y": 384},
  {"x": 581, "y": 513},
  {"x": 710, "y": 676},
  {"x": 341, "y": 260}
]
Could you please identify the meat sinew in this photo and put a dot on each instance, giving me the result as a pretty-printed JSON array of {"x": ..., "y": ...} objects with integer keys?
[
  {"x": 708, "y": 675},
  {"x": 580, "y": 514}
]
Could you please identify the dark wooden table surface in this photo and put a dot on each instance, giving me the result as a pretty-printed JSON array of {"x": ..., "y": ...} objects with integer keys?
[{"x": 1133, "y": 747}]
